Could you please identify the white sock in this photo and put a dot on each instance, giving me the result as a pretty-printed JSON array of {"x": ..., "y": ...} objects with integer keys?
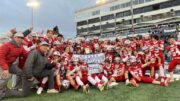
[
  {"x": 104, "y": 79},
  {"x": 79, "y": 82},
  {"x": 45, "y": 79},
  {"x": 171, "y": 75},
  {"x": 91, "y": 80},
  {"x": 161, "y": 71},
  {"x": 97, "y": 79}
]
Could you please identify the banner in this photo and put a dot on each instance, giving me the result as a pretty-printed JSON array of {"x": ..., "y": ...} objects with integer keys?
[
  {"x": 170, "y": 30},
  {"x": 94, "y": 68},
  {"x": 94, "y": 61},
  {"x": 91, "y": 58}
]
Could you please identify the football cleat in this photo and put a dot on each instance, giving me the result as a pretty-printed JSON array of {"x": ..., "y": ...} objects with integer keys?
[
  {"x": 113, "y": 84},
  {"x": 101, "y": 87},
  {"x": 127, "y": 83},
  {"x": 52, "y": 91},
  {"x": 39, "y": 91},
  {"x": 106, "y": 86}
]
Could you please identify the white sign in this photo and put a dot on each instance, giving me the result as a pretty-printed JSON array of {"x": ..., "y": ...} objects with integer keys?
[
  {"x": 91, "y": 58},
  {"x": 94, "y": 61},
  {"x": 168, "y": 31},
  {"x": 94, "y": 68}
]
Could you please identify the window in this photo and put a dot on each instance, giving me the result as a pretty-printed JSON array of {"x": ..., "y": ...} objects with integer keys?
[
  {"x": 118, "y": 15},
  {"x": 95, "y": 12},
  {"x": 141, "y": 1},
  {"x": 138, "y": 20},
  {"x": 135, "y": 2},
  {"x": 108, "y": 17},
  {"x": 127, "y": 22},
  {"x": 156, "y": 7},
  {"x": 127, "y": 13},
  {"x": 95, "y": 20},
  {"x": 81, "y": 23},
  {"x": 165, "y": 5},
  {"x": 176, "y": 2},
  {"x": 128, "y": 4},
  {"x": 177, "y": 13},
  {"x": 123, "y": 5},
  {"x": 93, "y": 28},
  {"x": 148, "y": 0},
  {"x": 138, "y": 11},
  {"x": 143, "y": 9},
  {"x": 81, "y": 30},
  {"x": 147, "y": 9},
  {"x": 115, "y": 7},
  {"x": 112, "y": 8},
  {"x": 108, "y": 25}
]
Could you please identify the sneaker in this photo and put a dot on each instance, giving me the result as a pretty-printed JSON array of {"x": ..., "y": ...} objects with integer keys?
[
  {"x": 106, "y": 86},
  {"x": 171, "y": 80},
  {"x": 20, "y": 89},
  {"x": 39, "y": 91},
  {"x": 127, "y": 83},
  {"x": 86, "y": 89},
  {"x": 133, "y": 82},
  {"x": 52, "y": 91},
  {"x": 101, "y": 87},
  {"x": 113, "y": 84}
]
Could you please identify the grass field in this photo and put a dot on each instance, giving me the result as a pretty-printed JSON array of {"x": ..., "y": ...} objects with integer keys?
[{"x": 146, "y": 92}]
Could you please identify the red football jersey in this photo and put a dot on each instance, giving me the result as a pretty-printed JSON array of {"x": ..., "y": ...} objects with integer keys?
[
  {"x": 136, "y": 70},
  {"x": 120, "y": 69},
  {"x": 174, "y": 51},
  {"x": 108, "y": 70}
]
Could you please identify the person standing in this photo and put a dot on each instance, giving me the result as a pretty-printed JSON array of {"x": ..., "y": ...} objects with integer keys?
[{"x": 174, "y": 52}]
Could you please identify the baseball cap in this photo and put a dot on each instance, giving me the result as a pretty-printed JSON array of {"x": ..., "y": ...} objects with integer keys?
[
  {"x": 44, "y": 43},
  {"x": 19, "y": 34}
]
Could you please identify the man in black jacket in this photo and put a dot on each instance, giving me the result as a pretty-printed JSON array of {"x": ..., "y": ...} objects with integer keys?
[{"x": 37, "y": 66}]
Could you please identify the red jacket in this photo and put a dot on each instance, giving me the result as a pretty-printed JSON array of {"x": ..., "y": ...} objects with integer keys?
[{"x": 9, "y": 52}]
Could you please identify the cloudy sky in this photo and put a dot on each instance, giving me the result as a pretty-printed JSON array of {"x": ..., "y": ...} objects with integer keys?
[{"x": 15, "y": 13}]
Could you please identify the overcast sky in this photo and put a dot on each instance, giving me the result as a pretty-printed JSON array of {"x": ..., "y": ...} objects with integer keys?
[{"x": 15, "y": 13}]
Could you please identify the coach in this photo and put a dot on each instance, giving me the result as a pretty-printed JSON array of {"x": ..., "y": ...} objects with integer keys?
[{"x": 37, "y": 66}]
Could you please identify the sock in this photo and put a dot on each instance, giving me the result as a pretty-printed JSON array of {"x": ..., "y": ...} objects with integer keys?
[
  {"x": 104, "y": 79},
  {"x": 92, "y": 81},
  {"x": 45, "y": 79},
  {"x": 97, "y": 79},
  {"x": 161, "y": 71},
  {"x": 79, "y": 82}
]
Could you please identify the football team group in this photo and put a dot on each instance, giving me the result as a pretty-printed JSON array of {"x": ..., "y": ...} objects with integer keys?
[{"x": 28, "y": 57}]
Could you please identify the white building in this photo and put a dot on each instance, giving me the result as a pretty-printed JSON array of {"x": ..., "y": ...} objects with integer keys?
[{"x": 115, "y": 17}]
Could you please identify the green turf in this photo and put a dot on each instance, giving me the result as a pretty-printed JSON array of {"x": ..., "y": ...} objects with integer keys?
[{"x": 146, "y": 92}]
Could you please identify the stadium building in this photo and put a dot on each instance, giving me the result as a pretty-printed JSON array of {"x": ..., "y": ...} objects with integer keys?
[{"x": 124, "y": 17}]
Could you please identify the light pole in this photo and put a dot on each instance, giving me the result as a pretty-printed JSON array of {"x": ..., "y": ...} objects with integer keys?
[
  {"x": 132, "y": 16},
  {"x": 101, "y": 2},
  {"x": 32, "y": 4}
]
